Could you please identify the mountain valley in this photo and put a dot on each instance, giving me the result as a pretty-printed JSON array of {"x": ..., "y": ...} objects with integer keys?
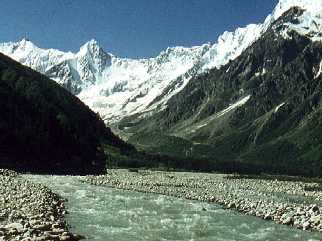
[{"x": 249, "y": 101}]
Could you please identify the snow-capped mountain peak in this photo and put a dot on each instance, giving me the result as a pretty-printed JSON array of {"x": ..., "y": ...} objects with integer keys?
[
  {"x": 26, "y": 44},
  {"x": 313, "y": 6},
  {"x": 308, "y": 23},
  {"x": 90, "y": 47},
  {"x": 29, "y": 54},
  {"x": 117, "y": 87}
]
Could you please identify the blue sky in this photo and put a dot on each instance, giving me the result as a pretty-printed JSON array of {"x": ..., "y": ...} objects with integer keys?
[{"x": 128, "y": 28}]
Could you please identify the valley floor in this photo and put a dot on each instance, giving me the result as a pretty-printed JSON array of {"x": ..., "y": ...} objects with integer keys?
[
  {"x": 296, "y": 203},
  {"x": 30, "y": 212}
]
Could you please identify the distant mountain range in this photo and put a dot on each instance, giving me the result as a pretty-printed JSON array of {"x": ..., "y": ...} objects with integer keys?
[
  {"x": 253, "y": 97},
  {"x": 118, "y": 87}
]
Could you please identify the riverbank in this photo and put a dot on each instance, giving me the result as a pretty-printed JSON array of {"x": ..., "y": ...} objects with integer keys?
[
  {"x": 294, "y": 203},
  {"x": 30, "y": 212}
]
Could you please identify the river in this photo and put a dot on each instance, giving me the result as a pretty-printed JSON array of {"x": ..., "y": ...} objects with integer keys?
[{"x": 106, "y": 214}]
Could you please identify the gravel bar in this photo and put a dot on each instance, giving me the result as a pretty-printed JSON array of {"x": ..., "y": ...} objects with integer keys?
[
  {"x": 284, "y": 202},
  {"x": 30, "y": 212}
]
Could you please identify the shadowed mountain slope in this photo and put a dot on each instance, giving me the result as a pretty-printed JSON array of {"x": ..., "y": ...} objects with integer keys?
[{"x": 44, "y": 128}]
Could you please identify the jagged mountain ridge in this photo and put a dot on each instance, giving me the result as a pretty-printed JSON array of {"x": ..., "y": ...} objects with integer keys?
[
  {"x": 253, "y": 97},
  {"x": 119, "y": 87},
  {"x": 110, "y": 85},
  {"x": 264, "y": 108}
]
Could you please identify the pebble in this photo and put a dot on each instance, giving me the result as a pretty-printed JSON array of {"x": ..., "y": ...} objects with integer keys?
[
  {"x": 30, "y": 212},
  {"x": 284, "y": 202}
]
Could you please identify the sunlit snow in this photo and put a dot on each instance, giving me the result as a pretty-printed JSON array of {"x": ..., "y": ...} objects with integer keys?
[
  {"x": 318, "y": 74},
  {"x": 279, "y": 106},
  {"x": 234, "y": 106},
  {"x": 230, "y": 108},
  {"x": 118, "y": 87}
]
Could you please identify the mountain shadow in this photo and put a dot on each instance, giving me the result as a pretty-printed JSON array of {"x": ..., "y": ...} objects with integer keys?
[{"x": 45, "y": 129}]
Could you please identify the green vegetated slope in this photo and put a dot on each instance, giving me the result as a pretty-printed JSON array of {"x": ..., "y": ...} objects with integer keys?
[
  {"x": 260, "y": 112},
  {"x": 44, "y": 128}
]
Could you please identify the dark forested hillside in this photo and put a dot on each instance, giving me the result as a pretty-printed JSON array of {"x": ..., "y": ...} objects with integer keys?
[
  {"x": 44, "y": 128},
  {"x": 263, "y": 110}
]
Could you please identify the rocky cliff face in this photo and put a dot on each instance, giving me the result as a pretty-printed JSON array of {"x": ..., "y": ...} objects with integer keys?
[
  {"x": 119, "y": 87},
  {"x": 262, "y": 108},
  {"x": 113, "y": 86},
  {"x": 253, "y": 96}
]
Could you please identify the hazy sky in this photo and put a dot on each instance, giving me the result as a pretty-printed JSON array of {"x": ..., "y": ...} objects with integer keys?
[{"x": 128, "y": 28}]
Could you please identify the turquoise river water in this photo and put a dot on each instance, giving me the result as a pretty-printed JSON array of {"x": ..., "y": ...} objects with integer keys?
[{"x": 106, "y": 214}]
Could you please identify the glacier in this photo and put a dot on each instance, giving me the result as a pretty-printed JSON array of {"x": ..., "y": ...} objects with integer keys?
[{"x": 117, "y": 87}]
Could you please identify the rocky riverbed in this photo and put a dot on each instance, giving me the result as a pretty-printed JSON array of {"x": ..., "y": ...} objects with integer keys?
[
  {"x": 284, "y": 202},
  {"x": 30, "y": 212}
]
